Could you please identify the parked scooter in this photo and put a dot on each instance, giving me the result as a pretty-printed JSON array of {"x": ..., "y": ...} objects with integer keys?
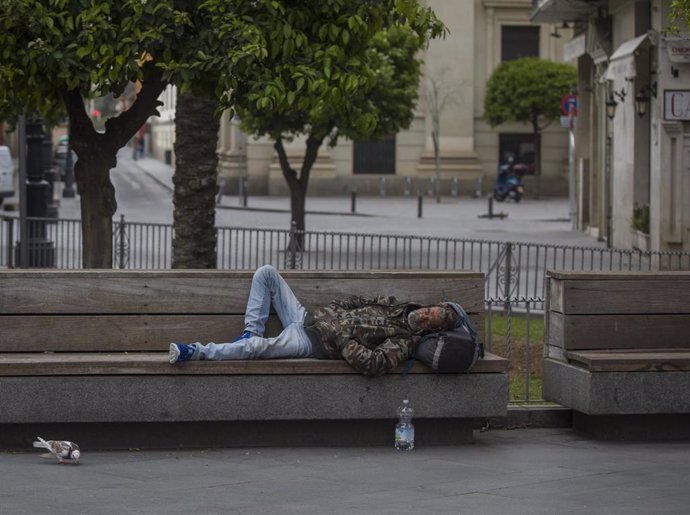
[{"x": 509, "y": 181}]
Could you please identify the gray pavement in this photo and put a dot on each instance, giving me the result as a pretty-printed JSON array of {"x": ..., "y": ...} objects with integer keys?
[
  {"x": 542, "y": 221},
  {"x": 523, "y": 471}
]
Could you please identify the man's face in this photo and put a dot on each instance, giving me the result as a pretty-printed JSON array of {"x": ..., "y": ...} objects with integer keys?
[{"x": 432, "y": 318}]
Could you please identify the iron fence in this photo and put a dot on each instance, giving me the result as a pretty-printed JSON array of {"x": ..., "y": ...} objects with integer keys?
[{"x": 513, "y": 269}]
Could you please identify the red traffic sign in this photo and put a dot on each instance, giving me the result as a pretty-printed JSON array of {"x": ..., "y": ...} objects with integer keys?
[{"x": 569, "y": 102}]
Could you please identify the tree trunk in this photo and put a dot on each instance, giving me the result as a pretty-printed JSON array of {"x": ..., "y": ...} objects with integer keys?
[
  {"x": 298, "y": 184},
  {"x": 97, "y": 153},
  {"x": 195, "y": 180},
  {"x": 98, "y": 206}
]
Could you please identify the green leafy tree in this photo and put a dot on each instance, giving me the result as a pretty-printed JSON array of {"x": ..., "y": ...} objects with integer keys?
[
  {"x": 58, "y": 53},
  {"x": 679, "y": 16},
  {"x": 528, "y": 90},
  {"x": 334, "y": 69}
]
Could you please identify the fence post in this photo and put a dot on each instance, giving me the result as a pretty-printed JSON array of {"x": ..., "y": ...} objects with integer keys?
[
  {"x": 528, "y": 356},
  {"x": 121, "y": 250},
  {"x": 508, "y": 272},
  {"x": 292, "y": 263}
]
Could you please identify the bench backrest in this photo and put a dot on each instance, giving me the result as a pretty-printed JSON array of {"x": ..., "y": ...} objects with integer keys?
[
  {"x": 111, "y": 310},
  {"x": 604, "y": 310}
]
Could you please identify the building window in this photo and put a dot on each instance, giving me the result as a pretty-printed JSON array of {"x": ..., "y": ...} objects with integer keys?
[
  {"x": 520, "y": 146},
  {"x": 519, "y": 41},
  {"x": 374, "y": 156}
]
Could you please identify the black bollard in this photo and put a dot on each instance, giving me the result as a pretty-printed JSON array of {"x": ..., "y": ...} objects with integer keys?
[
  {"x": 420, "y": 199},
  {"x": 353, "y": 201},
  {"x": 491, "y": 206}
]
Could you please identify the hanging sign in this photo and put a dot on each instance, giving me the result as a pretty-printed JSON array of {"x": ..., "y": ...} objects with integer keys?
[
  {"x": 678, "y": 50},
  {"x": 677, "y": 104}
]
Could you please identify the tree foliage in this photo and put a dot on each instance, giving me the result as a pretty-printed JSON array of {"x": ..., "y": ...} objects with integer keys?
[
  {"x": 335, "y": 68},
  {"x": 527, "y": 90},
  {"x": 679, "y": 16},
  {"x": 323, "y": 61},
  {"x": 96, "y": 47},
  {"x": 57, "y": 53}
]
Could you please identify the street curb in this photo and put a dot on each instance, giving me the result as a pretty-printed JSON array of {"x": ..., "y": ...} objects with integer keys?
[
  {"x": 276, "y": 210},
  {"x": 532, "y": 416},
  {"x": 257, "y": 209}
]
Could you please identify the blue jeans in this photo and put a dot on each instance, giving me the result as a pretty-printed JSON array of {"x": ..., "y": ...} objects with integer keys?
[{"x": 268, "y": 287}]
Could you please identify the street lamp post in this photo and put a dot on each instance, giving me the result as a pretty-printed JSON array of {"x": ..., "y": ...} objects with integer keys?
[{"x": 41, "y": 252}]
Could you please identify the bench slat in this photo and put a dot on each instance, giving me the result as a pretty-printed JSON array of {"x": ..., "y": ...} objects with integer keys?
[
  {"x": 110, "y": 333},
  {"x": 216, "y": 292},
  {"x": 650, "y": 360},
  {"x": 619, "y": 331},
  {"x": 83, "y": 333},
  {"x": 613, "y": 296},
  {"x": 619, "y": 276},
  {"x": 38, "y": 364}
]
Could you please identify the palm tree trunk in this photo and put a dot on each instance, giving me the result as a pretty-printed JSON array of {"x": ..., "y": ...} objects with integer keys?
[{"x": 195, "y": 180}]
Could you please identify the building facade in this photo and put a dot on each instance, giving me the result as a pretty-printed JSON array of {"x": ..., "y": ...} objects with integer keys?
[
  {"x": 632, "y": 140},
  {"x": 483, "y": 33}
]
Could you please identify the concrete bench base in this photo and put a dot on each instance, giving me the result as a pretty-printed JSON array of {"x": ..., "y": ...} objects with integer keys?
[
  {"x": 245, "y": 410},
  {"x": 616, "y": 393}
]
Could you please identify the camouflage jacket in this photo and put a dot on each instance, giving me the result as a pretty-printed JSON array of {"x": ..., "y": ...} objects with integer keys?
[{"x": 372, "y": 335}]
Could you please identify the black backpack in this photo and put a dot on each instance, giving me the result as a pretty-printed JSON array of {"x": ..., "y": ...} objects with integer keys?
[{"x": 453, "y": 351}]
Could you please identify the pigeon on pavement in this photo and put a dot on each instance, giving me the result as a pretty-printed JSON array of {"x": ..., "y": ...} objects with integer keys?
[{"x": 65, "y": 452}]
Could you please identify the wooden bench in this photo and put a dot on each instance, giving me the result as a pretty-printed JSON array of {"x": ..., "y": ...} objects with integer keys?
[
  {"x": 617, "y": 352},
  {"x": 83, "y": 356}
]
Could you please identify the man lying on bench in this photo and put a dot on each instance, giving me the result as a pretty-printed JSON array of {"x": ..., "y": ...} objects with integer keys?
[{"x": 373, "y": 335}]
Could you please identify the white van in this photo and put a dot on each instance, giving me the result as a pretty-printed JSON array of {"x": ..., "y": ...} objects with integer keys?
[{"x": 6, "y": 174}]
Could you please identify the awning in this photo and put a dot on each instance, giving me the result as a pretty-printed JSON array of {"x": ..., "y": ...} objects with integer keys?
[
  {"x": 622, "y": 61},
  {"x": 556, "y": 11}
]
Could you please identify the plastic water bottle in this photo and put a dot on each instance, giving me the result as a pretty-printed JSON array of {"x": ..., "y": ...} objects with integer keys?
[{"x": 404, "y": 430}]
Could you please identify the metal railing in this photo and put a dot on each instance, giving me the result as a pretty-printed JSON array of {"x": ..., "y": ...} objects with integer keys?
[{"x": 512, "y": 269}]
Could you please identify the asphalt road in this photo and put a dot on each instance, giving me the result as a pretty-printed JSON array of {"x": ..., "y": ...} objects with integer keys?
[{"x": 144, "y": 194}]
